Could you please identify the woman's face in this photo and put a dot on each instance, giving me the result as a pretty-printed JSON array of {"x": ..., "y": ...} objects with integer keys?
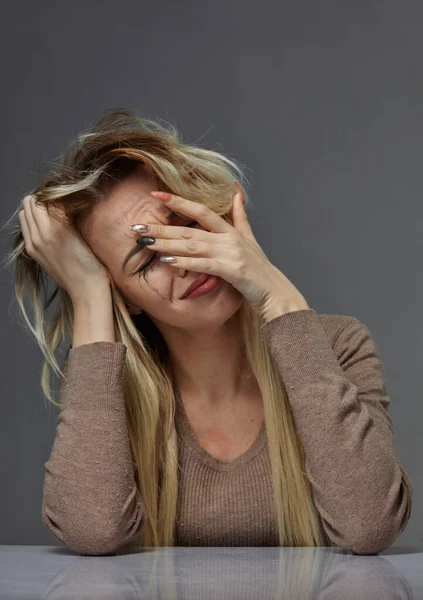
[{"x": 158, "y": 289}]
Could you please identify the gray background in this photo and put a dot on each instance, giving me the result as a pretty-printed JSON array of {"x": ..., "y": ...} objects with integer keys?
[{"x": 321, "y": 100}]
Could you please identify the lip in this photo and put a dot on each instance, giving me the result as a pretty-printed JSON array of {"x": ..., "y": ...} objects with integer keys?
[
  {"x": 207, "y": 287},
  {"x": 195, "y": 284}
]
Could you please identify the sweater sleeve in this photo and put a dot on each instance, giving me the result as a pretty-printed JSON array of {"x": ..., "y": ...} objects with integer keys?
[
  {"x": 337, "y": 392},
  {"x": 90, "y": 499}
]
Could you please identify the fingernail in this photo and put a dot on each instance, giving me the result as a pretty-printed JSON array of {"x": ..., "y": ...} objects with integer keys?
[
  {"x": 162, "y": 195},
  {"x": 147, "y": 241},
  {"x": 140, "y": 228}
]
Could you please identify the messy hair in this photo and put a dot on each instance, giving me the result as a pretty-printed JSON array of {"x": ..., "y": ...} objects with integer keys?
[{"x": 117, "y": 143}]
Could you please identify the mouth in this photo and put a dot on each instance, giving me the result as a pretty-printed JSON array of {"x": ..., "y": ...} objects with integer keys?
[{"x": 195, "y": 284}]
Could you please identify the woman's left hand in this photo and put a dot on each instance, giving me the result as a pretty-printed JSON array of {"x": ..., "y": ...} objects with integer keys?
[{"x": 229, "y": 252}]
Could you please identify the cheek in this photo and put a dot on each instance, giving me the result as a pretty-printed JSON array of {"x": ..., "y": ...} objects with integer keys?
[{"x": 154, "y": 283}]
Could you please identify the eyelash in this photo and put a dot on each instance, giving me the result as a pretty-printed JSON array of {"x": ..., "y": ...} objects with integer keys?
[{"x": 144, "y": 267}]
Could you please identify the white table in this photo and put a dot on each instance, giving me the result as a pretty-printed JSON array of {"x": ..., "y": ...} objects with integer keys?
[{"x": 218, "y": 573}]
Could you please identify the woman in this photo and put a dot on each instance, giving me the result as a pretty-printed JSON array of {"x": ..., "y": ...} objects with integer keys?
[{"x": 234, "y": 415}]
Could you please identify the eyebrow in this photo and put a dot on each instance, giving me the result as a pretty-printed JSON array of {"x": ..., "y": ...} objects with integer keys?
[{"x": 139, "y": 247}]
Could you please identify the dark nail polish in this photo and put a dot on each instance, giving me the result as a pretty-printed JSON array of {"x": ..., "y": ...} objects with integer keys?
[{"x": 146, "y": 241}]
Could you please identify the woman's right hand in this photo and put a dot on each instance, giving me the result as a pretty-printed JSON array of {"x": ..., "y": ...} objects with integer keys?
[{"x": 59, "y": 251}]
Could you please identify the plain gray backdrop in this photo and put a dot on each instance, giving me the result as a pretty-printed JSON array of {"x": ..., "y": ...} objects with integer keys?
[{"x": 321, "y": 100}]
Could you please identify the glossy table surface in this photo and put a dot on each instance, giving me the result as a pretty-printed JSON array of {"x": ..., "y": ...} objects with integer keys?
[{"x": 211, "y": 573}]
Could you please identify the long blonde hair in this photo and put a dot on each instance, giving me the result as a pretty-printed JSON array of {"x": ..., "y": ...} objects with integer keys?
[{"x": 118, "y": 142}]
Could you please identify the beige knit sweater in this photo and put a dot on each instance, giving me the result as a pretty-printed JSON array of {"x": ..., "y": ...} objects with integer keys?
[{"x": 334, "y": 379}]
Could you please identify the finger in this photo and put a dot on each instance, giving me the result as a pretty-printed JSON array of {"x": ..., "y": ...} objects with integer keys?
[
  {"x": 175, "y": 232},
  {"x": 25, "y": 232},
  {"x": 29, "y": 216},
  {"x": 40, "y": 216},
  {"x": 241, "y": 218},
  {"x": 200, "y": 265},
  {"x": 239, "y": 189},
  {"x": 180, "y": 247},
  {"x": 201, "y": 213}
]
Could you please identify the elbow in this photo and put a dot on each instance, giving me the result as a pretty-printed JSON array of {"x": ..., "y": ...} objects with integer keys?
[
  {"x": 366, "y": 546},
  {"x": 380, "y": 535},
  {"x": 93, "y": 546},
  {"x": 376, "y": 539},
  {"x": 82, "y": 539}
]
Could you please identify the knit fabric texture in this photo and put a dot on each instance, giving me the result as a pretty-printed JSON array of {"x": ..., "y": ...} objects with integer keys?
[{"x": 335, "y": 384}]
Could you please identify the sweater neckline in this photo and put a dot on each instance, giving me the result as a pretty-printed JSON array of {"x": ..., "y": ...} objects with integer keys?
[{"x": 187, "y": 435}]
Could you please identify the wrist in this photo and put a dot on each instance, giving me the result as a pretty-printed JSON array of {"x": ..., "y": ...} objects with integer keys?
[
  {"x": 92, "y": 293},
  {"x": 279, "y": 308}
]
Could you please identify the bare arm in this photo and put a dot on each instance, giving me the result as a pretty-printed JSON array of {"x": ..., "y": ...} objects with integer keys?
[{"x": 93, "y": 316}]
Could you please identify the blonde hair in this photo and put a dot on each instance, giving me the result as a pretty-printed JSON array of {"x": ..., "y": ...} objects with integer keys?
[{"x": 118, "y": 142}]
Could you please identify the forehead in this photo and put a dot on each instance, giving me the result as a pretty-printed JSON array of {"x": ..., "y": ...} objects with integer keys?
[
  {"x": 129, "y": 202},
  {"x": 145, "y": 210}
]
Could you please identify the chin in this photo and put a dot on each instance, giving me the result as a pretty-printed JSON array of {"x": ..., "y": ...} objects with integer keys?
[
  {"x": 199, "y": 313},
  {"x": 216, "y": 312}
]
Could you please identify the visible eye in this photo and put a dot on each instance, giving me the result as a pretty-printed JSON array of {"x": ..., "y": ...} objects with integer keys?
[{"x": 141, "y": 269}]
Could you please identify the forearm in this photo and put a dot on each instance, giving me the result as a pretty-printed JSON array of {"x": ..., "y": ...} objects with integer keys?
[
  {"x": 91, "y": 501},
  {"x": 93, "y": 317}
]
